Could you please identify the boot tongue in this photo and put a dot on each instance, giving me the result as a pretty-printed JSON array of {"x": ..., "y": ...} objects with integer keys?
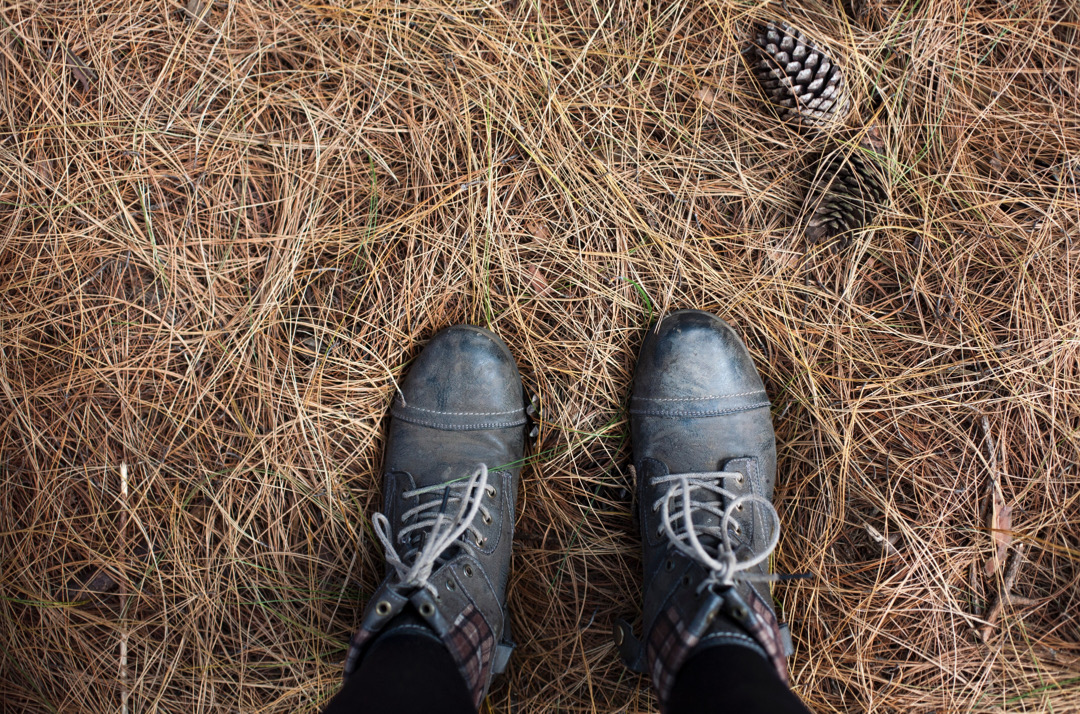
[
  {"x": 449, "y": 504},
  {"x": 705, "y": 522}
]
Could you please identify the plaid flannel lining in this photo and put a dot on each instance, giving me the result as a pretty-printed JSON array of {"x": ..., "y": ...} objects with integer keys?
[
  {"x": 472, "y": 644},
  {"x": 668, "y": 646},
  {"x": 766, "y": 630},
  {"x": 356, "y": 646}
]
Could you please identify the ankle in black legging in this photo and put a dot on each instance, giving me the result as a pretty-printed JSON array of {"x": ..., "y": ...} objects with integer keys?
[
  {"x": 729, "y": 679},
  {"x": 404, "y": 673}
]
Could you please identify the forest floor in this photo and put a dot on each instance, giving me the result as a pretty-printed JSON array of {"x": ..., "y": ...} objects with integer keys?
[{"x": 227, "y": 227}]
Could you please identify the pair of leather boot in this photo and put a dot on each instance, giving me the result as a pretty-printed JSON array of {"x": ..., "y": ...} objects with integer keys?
[{"x": 705, "y": 462}]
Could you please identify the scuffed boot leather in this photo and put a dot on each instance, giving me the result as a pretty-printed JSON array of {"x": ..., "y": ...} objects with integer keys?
[
  {"x": 457, "y": 439},
  {"x": 703, "y": 447}
]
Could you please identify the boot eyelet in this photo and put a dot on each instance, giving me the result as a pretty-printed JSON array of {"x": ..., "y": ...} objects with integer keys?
[
  {"x": 481, "y": 542},
  {"x": 468, "y": 571},
  {"x": 492, "y": 492},
  {"x": 670, "y": 564},
  {"x": 738, "y": 506},
  {"x": 659, "y": 531},
  {"x": 383, "y": 608},
  {"x": 427, "y": 609},
  {"x": 450, "y": 585},
  {"x": 685, "y": 580},
  {"x": 486, "y": 519}
]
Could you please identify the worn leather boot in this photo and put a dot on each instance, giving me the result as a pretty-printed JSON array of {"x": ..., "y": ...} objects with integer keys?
[
  {"x": 457, "y": 439},
  {"x": 705, "y": 461}
]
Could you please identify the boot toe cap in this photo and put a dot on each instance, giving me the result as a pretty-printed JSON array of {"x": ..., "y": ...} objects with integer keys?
[
  {"x": 465, "y": 378},
  {"x": 694, "y": 363}
]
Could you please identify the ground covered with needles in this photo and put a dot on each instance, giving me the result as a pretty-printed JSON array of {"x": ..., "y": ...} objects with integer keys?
[{"x": 227, "y": 228}]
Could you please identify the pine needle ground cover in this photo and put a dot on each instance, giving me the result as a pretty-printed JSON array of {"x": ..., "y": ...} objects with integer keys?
[{"x": 228, "y": 227}]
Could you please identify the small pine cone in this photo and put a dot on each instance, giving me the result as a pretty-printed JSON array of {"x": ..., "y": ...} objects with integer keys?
[
  {"x": 871, "y": 14},
  {"x": 848, "y": 193},
  {"x": 799, "y": 78},
  {"x": 1031, "y": 192}
]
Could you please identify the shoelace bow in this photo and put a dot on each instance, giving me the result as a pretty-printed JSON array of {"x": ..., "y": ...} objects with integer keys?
[
  {"x": 724, "y": 569},
  {"x": 442, "y": 530}
]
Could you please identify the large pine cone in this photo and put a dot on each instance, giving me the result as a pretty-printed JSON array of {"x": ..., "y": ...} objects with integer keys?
[
  {"x": 799, "y": 78},
  {"x": 848, "y": 193}
]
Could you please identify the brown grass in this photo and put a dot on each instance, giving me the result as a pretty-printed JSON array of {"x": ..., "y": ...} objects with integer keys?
[{"x": 226, "y": 230}]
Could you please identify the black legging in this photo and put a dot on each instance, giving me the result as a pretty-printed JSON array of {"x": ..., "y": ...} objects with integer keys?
[
  {"x": 730, "y": 678},
  {"x": 404, "y": 674},
  {"x": 407, "y": 674}
]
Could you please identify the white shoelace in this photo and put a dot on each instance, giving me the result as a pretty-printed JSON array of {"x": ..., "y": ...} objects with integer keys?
[
  {"x": 443, "y": 531},
  {"x": 686, "y": 536}
]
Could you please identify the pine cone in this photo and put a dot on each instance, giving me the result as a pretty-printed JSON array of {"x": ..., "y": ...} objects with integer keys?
[
  {"x": 871, "y": 14},
  {"x": 848, "y": 193},
  {"x": 1030, "y": 192},
  {"x": 799, "y": 78}
]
